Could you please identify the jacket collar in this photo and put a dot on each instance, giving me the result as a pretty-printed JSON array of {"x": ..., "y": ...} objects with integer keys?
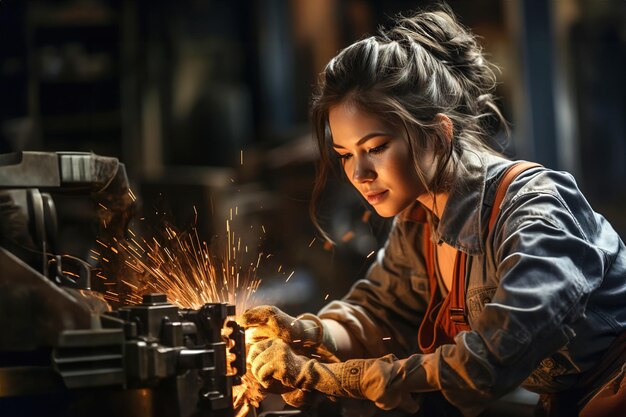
[{"x": 465, "y": 217}]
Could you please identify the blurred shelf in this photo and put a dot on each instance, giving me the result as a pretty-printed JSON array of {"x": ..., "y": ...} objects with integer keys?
[
  {"x": 76, "y": 69},
  {"x": 75, "y": 14},
  {"x": 80, "y": 122},
  {"x": 82, "y": 79}
]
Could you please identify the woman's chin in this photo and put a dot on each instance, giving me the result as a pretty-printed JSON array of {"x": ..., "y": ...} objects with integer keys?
[{"x": 385, "y": 211}]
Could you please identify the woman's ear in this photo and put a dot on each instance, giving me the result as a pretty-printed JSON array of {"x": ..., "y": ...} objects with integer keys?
[{"x": 446, "y": 125}]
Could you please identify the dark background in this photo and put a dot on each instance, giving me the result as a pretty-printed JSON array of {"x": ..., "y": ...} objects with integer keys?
[{"x": 206, "y": 103}]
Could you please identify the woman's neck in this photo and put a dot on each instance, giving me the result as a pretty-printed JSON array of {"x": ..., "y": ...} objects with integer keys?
[{"x": 437, "y": 205}]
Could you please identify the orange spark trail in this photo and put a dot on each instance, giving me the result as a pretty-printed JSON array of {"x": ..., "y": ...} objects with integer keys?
[{"x": 185, "y": 268}]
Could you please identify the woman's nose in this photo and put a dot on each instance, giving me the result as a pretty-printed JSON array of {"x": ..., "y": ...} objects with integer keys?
[{"x": 363, "y": 171}]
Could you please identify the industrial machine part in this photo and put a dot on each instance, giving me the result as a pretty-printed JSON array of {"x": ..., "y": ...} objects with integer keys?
[{"x": 63, "y": 351}]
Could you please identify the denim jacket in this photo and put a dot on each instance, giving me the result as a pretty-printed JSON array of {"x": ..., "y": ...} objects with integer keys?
[{"x": 545, "y": 288}]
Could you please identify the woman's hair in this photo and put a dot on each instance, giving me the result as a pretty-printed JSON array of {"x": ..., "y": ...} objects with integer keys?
[{"x": 424, "y": 65}]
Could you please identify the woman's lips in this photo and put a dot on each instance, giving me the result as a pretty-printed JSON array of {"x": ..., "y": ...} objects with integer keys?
[{"x": 375, "y": 198}]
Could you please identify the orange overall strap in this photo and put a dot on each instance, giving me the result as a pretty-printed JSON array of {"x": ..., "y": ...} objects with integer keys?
[
  {"x": 445, "y": 318},
  {"x": 507, "y": 178},
  {"x": 457, "y": 303},
  {"x": 456, "y": 310},
  {"x": 427, "y": 337}
]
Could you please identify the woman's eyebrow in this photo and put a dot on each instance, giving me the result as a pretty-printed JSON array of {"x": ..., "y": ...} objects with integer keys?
[{"x": 364, "y": 139}]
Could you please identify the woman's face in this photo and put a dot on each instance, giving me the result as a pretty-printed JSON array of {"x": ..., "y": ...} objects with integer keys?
[{"x": 376, "y": 159}]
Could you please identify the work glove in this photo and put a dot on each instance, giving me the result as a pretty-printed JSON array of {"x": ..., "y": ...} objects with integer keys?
[
  {"x": 305, "y": 333},
  {"x": 387, "y": 382}
]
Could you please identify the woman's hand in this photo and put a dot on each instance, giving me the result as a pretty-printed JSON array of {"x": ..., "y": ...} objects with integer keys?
[
  {"x": 279, "y": 369},
  {"x": 265, "y": 322},
  {"x": 386, "y": 381}
]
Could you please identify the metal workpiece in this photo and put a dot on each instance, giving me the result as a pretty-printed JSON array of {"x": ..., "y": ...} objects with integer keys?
[{"x": 162, "y": 349}]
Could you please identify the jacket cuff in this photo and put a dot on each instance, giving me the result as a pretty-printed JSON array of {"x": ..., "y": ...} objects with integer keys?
[{"x": 349, "y": 374}]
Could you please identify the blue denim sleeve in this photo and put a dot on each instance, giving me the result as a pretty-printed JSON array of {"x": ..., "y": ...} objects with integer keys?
[{"x": 550, "y": 254}]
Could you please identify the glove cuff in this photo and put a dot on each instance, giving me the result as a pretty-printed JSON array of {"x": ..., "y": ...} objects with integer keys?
[
  {"x": 318, "y": 334},
  {"x": 349, "y": 374},
  {"x": 313, "y": 332}
]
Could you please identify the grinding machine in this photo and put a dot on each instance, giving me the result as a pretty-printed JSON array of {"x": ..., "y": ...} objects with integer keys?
[{"x": 64, "y": 351}]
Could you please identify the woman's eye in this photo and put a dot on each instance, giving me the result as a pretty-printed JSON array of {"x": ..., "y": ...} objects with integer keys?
[
  {"x": 344, "y": 157},
  {"x": 378, "y": 149}
]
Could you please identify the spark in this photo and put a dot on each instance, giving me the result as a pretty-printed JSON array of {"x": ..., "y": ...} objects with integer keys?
[
  {"x": 326, "y": 298},
  {"x": 370, "y": 254},
  {"x": 191, "y": 273},
  {"x": 134, "y": 267},
  {"x": 387, "y": 338},
  {"x": 313, "y": 241},
  {"x": 247, "y": 394},
  {"x": 103, "y": 206},
  {"x": 241, "y": 157},
  {"x": 138, "y": 245},
  {"x": 349, "y": 235},
  {"x": 130, "y": 285},
  {"x": 290, "y": 275},
  {"x": 312, "y": 327}
]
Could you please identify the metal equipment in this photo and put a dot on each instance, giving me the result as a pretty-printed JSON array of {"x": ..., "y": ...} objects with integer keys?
[{"x": 63, "y": 351}]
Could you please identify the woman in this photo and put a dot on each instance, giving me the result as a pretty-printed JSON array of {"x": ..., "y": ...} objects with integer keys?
[{"x": 489, "y": 280}]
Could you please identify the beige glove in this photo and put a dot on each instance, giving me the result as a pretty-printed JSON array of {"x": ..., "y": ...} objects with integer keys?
[
  {"x": 305, "y": 333},
  {"x": 387, "y": 382}
]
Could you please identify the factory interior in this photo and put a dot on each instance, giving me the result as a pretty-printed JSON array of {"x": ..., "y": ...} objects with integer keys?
[{"x": 200, "y": 109}]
